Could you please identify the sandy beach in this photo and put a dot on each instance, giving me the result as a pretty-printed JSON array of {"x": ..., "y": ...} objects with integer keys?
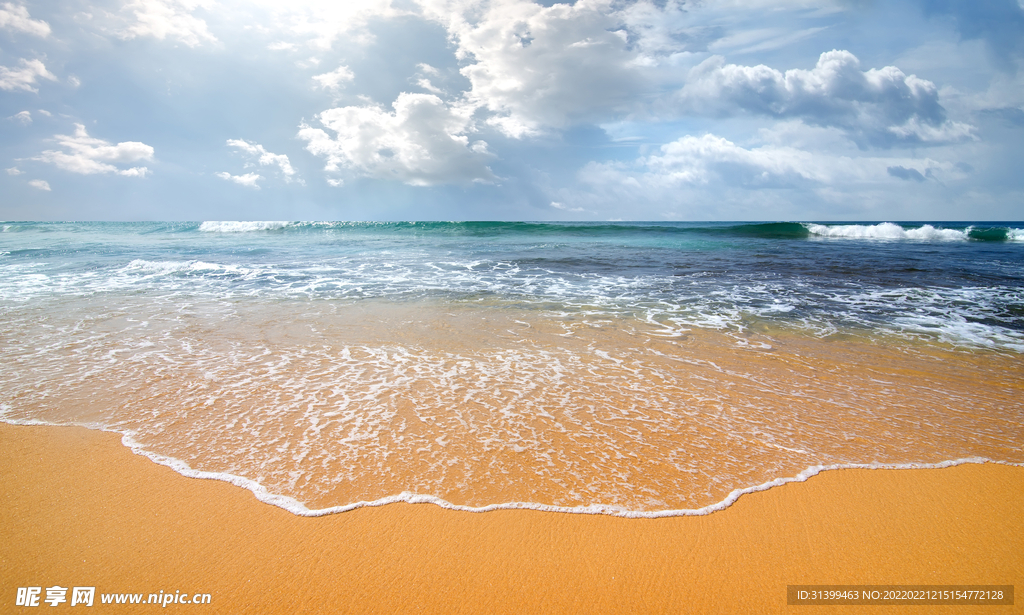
[{"x": 79, "y": 509}]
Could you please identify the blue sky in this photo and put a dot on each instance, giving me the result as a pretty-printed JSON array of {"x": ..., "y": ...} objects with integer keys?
[{"x": 512, "y": 109}]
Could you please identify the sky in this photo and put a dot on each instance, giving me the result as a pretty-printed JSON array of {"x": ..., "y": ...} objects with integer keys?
[{"x": 817, "y": 110}]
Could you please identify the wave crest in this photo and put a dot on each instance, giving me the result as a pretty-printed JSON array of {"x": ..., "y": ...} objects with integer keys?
[
  {"x": 887, "y": 230},
  {"x": 926, "y": 232},
  {"x": 245, "y": 226}
]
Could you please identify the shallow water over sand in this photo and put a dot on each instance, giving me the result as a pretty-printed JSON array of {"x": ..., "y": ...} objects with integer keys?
[{"x": 482, "y": 402}]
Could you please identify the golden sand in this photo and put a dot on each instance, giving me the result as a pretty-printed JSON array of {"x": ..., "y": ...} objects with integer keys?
[{"x": 79, "y": 509}]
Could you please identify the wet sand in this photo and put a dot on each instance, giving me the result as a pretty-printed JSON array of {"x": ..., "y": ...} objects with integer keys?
[
  {"x": 79, "y": 509},
  {"x": 331, "y": 404}
]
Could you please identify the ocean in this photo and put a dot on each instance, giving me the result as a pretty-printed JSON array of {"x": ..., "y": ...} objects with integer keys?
[{"x": 632, "y": 369}]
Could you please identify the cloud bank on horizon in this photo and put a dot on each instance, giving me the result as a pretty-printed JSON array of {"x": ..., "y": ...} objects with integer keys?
[{"x": 512, "y": 109}]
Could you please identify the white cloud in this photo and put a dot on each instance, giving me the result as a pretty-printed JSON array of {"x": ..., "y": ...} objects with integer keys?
[
  {"x": 44, "y": 112},
  {"x": 422, "y": 78},
  {"x": 173, "y": 19},
  {"x": 711, "y": 160},
  {"x": 710, "y": 177},
  {"x": 335, "y": 79},
  {"x": 321, "y": 23},
  {"x": 879, "y": 106},
  {"x": 915, "y": 130},
  {"x": 428, "y": 69},
  {"x": 25, "y": 77},
  {"x": 15, "y": 17},
  {"x": 22, "y": 117},
  {"x": 15, "y": 171},
  {"x": 425, "y": 83},
  {"x": 422, "y": 143},
  {"x": 700, "y": 160},
  {"x": 40, "y": 184},
  {"x": 540, "y": 67},
  {"x": 536, "y": 68},
  {"x": 89, "y": 155},
  {"x": 249, "y": 179},
  {"x": 265, "y": 158}
]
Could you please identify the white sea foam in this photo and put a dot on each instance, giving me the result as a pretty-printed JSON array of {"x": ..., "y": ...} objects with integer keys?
[
  {"x": 960, "y": 316},
  {"x": 958, "y": 331},
  {"x": 886, "y": 230},
  {"x": 298, "y": 508},
  {"x": 968, "y": 316},
  {"x": 228, "y": 226},
  {"x": 165, "y": 267}
]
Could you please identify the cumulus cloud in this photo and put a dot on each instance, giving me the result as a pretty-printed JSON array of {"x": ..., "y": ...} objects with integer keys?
[
  {"x": 881, "y": 107},
  {"x": 162, "y": 19},
  {"x": 249, "y": 179},
  {"x": 40, "y": 184},
  {"x": 335, "y": 79},
  {"x": 14, "y": 171},
  {"x": 16, "y": 17},
  {"x": 536, "y": 67},
  {"x": 422, "y": 143},
  {"x": 89, "y": 155},
  {"x": 265, "y": 158},
  {"x": 24, "y": 78}
]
